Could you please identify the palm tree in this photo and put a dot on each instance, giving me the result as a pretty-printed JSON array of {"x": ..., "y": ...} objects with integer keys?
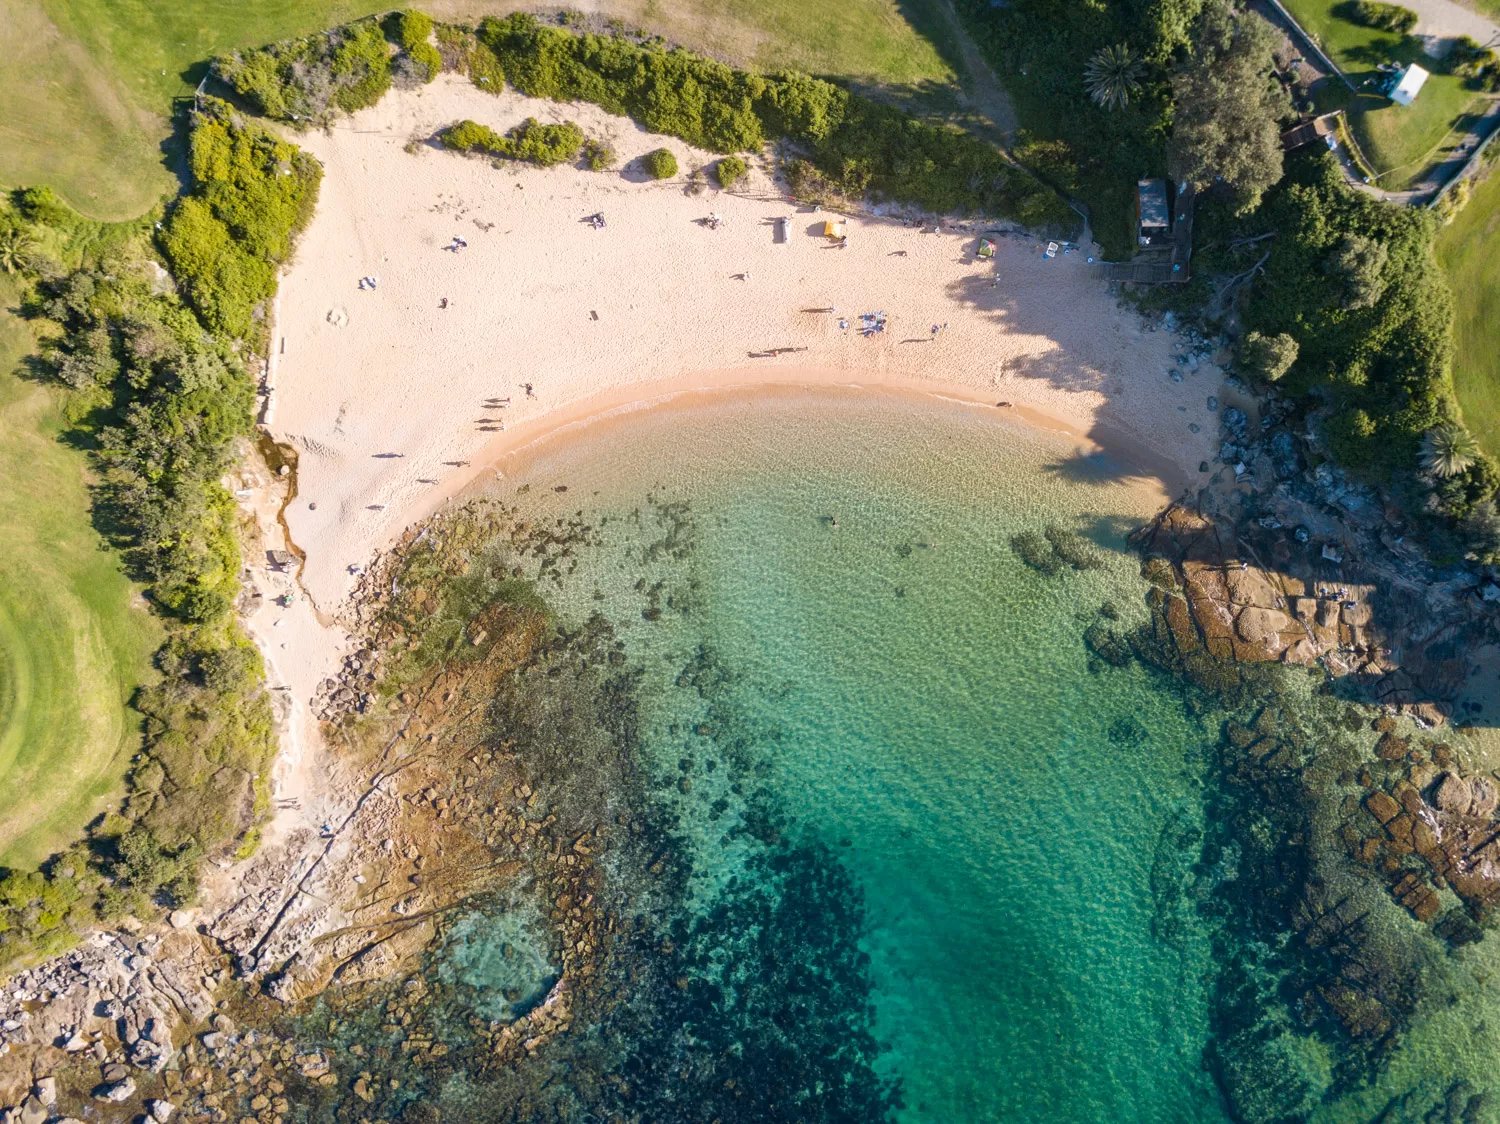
[
  {"x": 1448, "y": 450},
  {"x": 16, "y": 244},
  {"x": 1112, "y": 75}
]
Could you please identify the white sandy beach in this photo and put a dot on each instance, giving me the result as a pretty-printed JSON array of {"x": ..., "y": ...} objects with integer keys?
[{"x": 385, "y": 393}]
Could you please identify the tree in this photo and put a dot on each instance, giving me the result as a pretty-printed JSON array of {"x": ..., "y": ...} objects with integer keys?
[
  {"x": 1113, "y": 75},
  {"x": 1228, "y": 107},
  {"x": 1448, "y": 450},
  {"x": 17, "y": 244},
  {"x": 1360, "y": 263},
  {"x": 1269, "y": 357}
]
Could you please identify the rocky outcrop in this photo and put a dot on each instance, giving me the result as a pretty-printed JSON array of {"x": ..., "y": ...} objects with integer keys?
[
  {"x": 1431, "y": 828},
  {"x": 1254, "y": 594}
]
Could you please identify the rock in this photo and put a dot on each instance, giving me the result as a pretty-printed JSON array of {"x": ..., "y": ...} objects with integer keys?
[
  {"x": 45, "y": 1090},
  {"x": 1486, "y": 796},
  {"x": 33, "y": 1111},
  {"x": 115, "y": 1072},
  {"x": 76, "y": 1043},
  {"x": 1382, "y": 806},
  {"x": 118, "y": 1093},
  {"x": 161, "y": 1111},
  {"x": 1453, "y": 794},
  {"x": 181, "y": 919}
]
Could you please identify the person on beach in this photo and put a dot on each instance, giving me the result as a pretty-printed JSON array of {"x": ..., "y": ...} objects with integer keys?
[
  {"x": 529, "y": 392},
  {"x": 443, "y": 303}
]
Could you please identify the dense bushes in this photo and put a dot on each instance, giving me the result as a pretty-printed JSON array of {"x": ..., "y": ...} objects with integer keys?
[
  {"x": 660, "y": 164},
  {"x": 303, "y": 80},
  {"x": 543, "y": 145},
  {"x": 1354, "y": 283},
  {"x": 252, "y": 193},
  {"x": 856, "y": 144},
  {"x": 1382, "y": 17}
]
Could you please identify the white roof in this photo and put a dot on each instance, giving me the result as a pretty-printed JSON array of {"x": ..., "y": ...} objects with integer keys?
[{"x": 1411, "y": 82}]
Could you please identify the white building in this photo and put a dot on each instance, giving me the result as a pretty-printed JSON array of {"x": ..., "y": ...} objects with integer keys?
[{"x": 1411, "y": 81}]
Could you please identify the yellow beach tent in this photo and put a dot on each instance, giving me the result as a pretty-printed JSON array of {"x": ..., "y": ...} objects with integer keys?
[{"x": 833, "y": 229}]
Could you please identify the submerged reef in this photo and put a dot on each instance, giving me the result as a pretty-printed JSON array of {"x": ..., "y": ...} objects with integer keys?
[{"x": 1350, "y": 850}]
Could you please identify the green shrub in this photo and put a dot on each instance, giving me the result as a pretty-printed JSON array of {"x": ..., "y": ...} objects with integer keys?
[
  {"x": 1382, "y": 17},
  {"x": 42, "y": 205},
  {"x": 660, "y": 164},
  {"x": 426, "y": 56},
  {"x": 531, "y": 141},
  {"x": 729, "y": 171},
  {"x": 252, "y": 193},
  {"x": 462, "y": 51},
  {"x": 408, "y": 29}
]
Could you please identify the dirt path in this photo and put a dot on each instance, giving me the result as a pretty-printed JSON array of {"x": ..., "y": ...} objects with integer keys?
[{"x": 982, "y": 90}]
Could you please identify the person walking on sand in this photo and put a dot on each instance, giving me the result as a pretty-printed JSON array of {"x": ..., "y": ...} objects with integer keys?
[{"x": 529, "y": 392}]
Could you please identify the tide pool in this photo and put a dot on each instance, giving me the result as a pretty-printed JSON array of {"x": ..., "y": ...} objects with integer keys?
[{"x": 833, "y": 623}]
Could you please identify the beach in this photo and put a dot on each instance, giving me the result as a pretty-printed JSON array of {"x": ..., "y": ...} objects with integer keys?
[{"x": 395, "y": 402}]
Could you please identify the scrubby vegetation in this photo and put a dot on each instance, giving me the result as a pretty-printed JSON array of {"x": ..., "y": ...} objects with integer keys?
[
  {"x": 162, "y": 396},
  {"x": 531, "y": 141},
  {"x": 304, "y": 80},
  {"x": 854, "y": 144},
  {"x": 419, "y": 61},
  {"x": 597, "y": 155},
  {"x": 660, "y": 164},
  {"x": 251, "y": 194},
  {"x": 729, "y": 171},
  {"x": 1382, "y": 17}
]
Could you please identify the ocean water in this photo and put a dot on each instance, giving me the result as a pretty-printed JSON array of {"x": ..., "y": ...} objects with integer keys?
[{"x": 821, "y": 588}]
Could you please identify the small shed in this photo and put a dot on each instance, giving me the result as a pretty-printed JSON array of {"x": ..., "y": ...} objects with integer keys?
[
  {"x": 1405, "y": 91},
  {"x": 1318, "y": 129},
  {"x": 1151, "y": 209}
]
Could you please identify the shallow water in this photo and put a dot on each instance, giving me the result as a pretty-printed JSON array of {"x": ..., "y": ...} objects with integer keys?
[{"x": 922, "y": 702}]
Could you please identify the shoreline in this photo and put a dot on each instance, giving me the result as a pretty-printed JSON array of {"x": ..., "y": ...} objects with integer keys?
[{"x": 584, "y": 419}]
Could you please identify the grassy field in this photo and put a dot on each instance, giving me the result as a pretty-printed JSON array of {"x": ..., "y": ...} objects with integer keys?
[
  {"x": 86, "y": 92},
  {"x": 75, "y": 639},
  {"x": 1399, "y": 140},
  {"x": 1467, "y": 251}
]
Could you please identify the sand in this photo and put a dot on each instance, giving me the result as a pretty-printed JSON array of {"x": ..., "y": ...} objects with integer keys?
[{"x": 390, "y": 397}]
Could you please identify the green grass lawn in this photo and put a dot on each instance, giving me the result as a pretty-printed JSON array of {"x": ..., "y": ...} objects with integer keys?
[
  {"x": 1467, "y": 250},
  {"x": 86, "y": 90},
  {"x": 1400, "y": 141},
  {"x": 75, "y": 638}
]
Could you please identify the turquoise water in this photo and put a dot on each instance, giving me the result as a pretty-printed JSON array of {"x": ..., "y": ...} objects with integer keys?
[{"x": 922, "y": 702}]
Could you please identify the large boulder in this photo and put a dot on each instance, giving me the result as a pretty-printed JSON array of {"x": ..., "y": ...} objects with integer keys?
[{"x": 1453, "y": 795}]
